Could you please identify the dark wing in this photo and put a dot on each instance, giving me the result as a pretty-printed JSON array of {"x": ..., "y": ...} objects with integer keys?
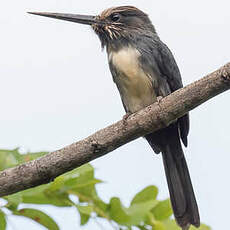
[
  {"x": 158, "y": 60},
  {"x": 168, "y": 67},
  {"x": 170, "y": 71}
]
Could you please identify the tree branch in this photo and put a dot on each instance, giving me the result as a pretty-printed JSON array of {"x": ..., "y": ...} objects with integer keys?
[{"x": 150, "y": 119}]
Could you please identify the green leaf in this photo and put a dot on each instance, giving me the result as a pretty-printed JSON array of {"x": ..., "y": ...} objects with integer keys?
[
  {"x": 85, "y": 213},
  {"x": 8, "y": 158},
  {"x": 158, "y": 225},
  {"x": 2, "y": 220},
  {"x": 171, "y": 225},
  {"x": 132, "y": 216},
  {"x": 142, "y": 227},
  {"x": 139, "y": 212},
  {"x": 162, "y": 210},
  {"x": 39, "y": 195},
  {"x": 13, "y": 201},
  {"x": 81, "y": 183},
  {"x": 57, "y": 192},
  {"x": 101, "y": 205},
  {"x": 87, "y": 210},
  {"x": 84, "y": 184},
  {"x": 83, "y": 173},
  {"x": 202, "y": 227},
  {"x": 149, "y": 193},
  {"x": 38, "y": 216},
  {"x": 84, "y": 219},
  {"x": 118, "y": 213},
  {"x": 11, "y": 158},
  {"x": 79, "y": 180},
  {"x": 74, "y": 183}
]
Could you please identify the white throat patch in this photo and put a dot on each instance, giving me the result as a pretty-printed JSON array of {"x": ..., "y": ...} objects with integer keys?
[{"x": 135, "y": 86}]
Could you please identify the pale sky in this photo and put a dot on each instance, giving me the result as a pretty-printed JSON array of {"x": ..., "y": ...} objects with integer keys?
[{"x": 56, "y": 88}]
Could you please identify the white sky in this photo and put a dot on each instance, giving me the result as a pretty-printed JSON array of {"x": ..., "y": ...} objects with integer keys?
[{"x": 56, "y": 88}]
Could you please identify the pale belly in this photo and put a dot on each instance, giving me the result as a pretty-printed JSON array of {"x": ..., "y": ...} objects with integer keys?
[{"x": 135, "y": 86}]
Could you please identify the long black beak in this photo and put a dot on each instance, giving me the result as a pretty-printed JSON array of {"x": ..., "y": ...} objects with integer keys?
[{"x": 82, "y": 19}]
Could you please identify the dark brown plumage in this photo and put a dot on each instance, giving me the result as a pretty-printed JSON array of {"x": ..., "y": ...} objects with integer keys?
[
  {"x": 134, "y": 29},
  {"x": 143, "y": 68}
]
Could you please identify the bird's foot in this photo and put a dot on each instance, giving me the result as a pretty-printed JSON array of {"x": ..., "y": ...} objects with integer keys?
[
  {"x": 159, "y": 98},
  {"x": 125, "y": 117}
]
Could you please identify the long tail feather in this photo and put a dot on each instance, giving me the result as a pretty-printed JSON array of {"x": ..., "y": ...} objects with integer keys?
[{"x": 180, "y": 187}]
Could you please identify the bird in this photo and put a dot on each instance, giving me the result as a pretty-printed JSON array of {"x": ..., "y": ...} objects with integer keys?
[{"x": 144, "y": 70}]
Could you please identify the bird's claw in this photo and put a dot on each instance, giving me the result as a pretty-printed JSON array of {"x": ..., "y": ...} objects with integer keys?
[
  {"x": 159, "y": 98},
  {"x": 125, "y": 117}
]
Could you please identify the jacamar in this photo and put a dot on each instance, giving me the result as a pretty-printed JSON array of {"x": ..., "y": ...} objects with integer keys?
[{"x": 143, "y": 68}]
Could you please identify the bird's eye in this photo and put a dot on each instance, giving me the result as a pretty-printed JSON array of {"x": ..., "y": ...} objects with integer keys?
[{"x": 115, "y": 17}]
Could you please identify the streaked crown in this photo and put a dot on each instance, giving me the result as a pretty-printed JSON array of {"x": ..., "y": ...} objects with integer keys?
[{"x": 121, "y": 22}]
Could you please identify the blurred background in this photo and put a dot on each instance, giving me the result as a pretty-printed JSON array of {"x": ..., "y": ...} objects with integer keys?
[{"x": 56, "y": 88}]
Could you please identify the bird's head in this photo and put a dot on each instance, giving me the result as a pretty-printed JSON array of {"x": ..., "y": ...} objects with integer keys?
[{"x": 112, "y": 24}]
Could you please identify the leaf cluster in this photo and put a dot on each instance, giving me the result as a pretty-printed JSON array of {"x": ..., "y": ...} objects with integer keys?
[{"x": 78, "y": 189}]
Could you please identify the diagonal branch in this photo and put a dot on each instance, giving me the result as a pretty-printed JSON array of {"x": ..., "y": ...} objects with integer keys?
[{"x": 152, "y": 118}]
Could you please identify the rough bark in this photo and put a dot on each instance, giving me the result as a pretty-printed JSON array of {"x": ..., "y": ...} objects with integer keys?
[{"x": 152, "y": 118}]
